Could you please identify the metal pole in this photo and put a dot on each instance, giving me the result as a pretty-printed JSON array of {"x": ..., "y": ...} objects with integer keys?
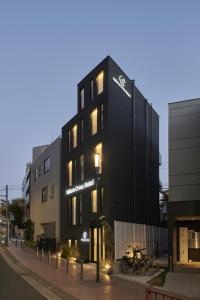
[
  {"x": 42, "y": 254},
  {"x": 81, "y": 269},
  {"x": 67, "y": 269},
  {"x": 49, "y": 257},
  {"x": 97, "y": 271}
]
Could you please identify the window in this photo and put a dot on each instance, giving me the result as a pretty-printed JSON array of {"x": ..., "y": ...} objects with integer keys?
[
  {"x": 93, "y": 121},
  {"x": 39, "y": 171},
  {"x": 47, "y": 165},
  {"x": 69, "y": 172},
  {"x": 69, "y": 140},
  {"x": 74, "y": 136},
  {"x": 99, "y": 82},
  {"x": 81, "y": 130},
  {"x": 92, "y": 89},
  {"x": 74, "y": 210},
  {"x": 101, "y": 198},
  {"x": 98, "y": 150},
  {"x": 45, "y": 194},
  {"x": 35, "y": 174},
  {"x": 75, "y": 170},
  {"x": 52, "y": 192},
  {"x": 69, "y": 243},
  {"x": 80, "y": 210},
  {"x": 101, "y": 116},
  {"x": 82, "y": 167},
  {"x": 82, "y": 98},
  {"x": 94, "y": 201}
]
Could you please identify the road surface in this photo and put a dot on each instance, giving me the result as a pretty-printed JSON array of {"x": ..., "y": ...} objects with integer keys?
[{"x": 13, "y": 287}]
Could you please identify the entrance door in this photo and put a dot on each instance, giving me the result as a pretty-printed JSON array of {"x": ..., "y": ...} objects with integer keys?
[
  {"x": 183, "y": 242},
  {"x": 93, "y": 244}
]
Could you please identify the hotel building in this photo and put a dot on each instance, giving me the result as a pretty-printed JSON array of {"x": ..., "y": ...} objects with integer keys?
[{"x": 110, "y": 159}]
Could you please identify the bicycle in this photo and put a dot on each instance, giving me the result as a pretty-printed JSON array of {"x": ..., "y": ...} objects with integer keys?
[{"x": 135, "y": 262}]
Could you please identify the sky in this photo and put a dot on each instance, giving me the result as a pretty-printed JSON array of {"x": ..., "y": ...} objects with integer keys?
[{"x": 47, "y": 47}]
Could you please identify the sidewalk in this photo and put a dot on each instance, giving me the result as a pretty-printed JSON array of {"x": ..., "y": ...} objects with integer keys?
[{"x": 109, "y": 288}]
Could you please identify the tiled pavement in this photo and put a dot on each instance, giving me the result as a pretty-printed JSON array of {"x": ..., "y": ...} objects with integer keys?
[{"x": 109, "y": 288}]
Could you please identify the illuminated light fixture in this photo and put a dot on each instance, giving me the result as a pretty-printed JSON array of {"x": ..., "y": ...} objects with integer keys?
[
  {"x": 121, "y": 82},
  {"x": 80, "y": 187},
  {"x": 107, "y": 266}
]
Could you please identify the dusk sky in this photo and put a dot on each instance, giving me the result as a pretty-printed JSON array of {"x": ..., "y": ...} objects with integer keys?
[{"x": 47, "y": 47}]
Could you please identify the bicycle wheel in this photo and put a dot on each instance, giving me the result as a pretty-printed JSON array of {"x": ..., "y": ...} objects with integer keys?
[
  {"x": 124, "y": 266},
  {"x": 136, "y": 268}
]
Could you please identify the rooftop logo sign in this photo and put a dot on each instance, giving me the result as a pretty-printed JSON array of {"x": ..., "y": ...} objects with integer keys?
[
  {"x": 121, "y": 82},
  {"x": 80, "y": 187}
]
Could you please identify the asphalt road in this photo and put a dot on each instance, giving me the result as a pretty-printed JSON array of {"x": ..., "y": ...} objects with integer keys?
[{"x": 13, "y": 287}]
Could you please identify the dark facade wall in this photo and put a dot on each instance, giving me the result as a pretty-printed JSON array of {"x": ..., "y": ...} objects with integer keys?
[
  {"x": 130, "y": 196},
  {"x": 119, "y": 137}
]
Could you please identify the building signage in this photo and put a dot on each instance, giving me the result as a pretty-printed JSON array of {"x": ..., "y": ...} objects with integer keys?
[
  {"x": 121, "y": 82},
  {"x": 80, "y": 187},
  {"x": 85, "y": 237}
]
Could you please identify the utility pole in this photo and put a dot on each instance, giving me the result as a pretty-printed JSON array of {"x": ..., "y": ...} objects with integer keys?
[{"x": 7, "y": 221}]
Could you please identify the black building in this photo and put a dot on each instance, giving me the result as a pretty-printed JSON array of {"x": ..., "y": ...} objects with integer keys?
[{"x": 117, "y": 126}]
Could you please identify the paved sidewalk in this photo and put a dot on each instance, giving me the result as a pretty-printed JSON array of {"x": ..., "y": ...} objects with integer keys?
[{"x": 109, "y": 288}]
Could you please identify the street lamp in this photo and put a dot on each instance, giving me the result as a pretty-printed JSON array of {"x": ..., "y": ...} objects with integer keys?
[{"x": 97, "y": 169}]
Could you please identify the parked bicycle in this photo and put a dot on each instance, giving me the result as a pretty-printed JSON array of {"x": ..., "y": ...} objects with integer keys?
[{"x": 135, "y": 262}]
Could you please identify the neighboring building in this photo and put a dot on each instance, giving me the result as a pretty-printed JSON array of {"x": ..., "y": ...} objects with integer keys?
[
  {"x": 26, "y": 191},
  {"x": 116, "y": 125},
  {"x": 45, "y": 190},
  {"x": 184, "y": 182}
]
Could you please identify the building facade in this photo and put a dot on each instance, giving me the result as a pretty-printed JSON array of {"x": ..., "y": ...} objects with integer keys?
[
  {"x": 184, "y": 182},
  {"x": 26, "y": 191},
  {"x": 110, "y": 159},
  {"x": 45, "y": 190}
]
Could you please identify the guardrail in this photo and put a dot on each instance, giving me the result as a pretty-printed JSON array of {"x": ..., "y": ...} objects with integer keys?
[{"x": 155, "y": 294}]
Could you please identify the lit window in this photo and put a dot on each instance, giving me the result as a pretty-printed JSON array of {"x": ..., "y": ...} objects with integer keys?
[
  {"x": 82, "y": 98},
  {"x": 69, "y": 140},
  {"x": 80, "y": 209},
  {"x": 101, "y": 116},
  {"x": 99, "y": 82},
  {"x": 93, "y": 118},
  {"x": 74, "y": 210},
  {"x": 69, "y": 243},
  {"x": 81, "y": 130},
  {"x": 92, "y": 89},
  {"x": 47, "y": 165},
  {"x": 69, "y": 171},
  {"x": 98, "y": 153},
  {"x": 82, "y": 166},
  {"x": 75, "y": 170},
  {"x": 101, "y": 198},
  {"x": 45, "y": 194},
  {"x": 74, "y": 136},
  {"x": 94, "y": 201}
]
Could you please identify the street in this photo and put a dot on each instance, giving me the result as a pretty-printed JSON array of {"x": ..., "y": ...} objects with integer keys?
[{"x": 12, "y": 286}]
